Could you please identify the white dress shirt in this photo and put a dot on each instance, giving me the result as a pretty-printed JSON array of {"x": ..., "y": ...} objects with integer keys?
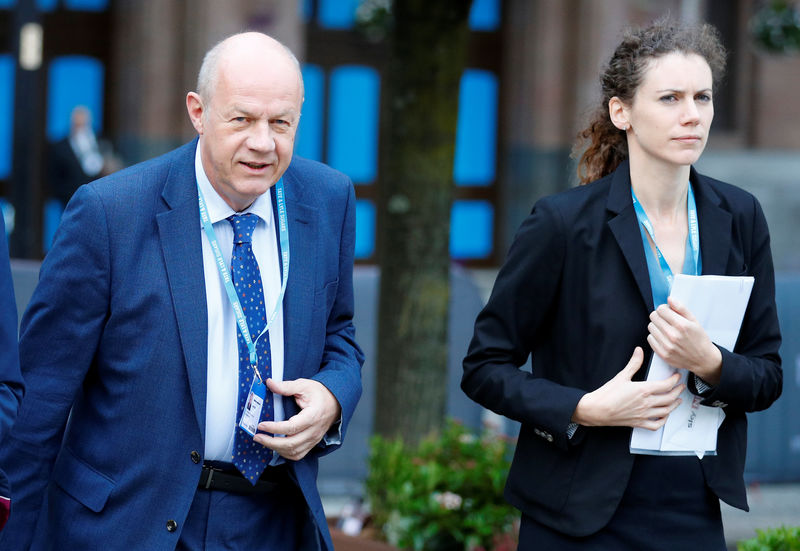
[{"x": 222, "y": 415}]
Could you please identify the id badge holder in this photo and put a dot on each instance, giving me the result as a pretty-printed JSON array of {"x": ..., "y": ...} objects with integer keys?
[{"x": 252, "y": 408}]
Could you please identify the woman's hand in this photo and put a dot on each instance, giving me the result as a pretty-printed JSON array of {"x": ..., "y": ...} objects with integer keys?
[
  {"x": 624, "y": 402},
  {"x": 678, "y": 338}
]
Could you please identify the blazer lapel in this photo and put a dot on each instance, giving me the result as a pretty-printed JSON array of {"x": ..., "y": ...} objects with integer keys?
[
  {"x": 179, "y": 229},
  {"x": 298, "y": 303},
  {"x": 625, "y": 228},
  {"x": 715, "y": 227}
]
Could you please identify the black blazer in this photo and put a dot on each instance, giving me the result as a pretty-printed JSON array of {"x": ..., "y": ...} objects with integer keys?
[{"x": 575, "y": 294}]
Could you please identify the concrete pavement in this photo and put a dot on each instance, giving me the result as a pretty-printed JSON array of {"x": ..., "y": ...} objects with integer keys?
[{"x": 771, "y": 505}]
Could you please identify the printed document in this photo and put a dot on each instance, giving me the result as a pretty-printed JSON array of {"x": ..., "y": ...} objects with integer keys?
[{"x": 719, "y": 304}]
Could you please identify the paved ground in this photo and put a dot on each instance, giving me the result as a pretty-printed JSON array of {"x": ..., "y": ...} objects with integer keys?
[{"x": 771, "y": 505}]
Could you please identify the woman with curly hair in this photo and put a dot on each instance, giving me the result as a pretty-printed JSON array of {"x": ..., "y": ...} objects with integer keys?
[{"x": 584, "y": 292}]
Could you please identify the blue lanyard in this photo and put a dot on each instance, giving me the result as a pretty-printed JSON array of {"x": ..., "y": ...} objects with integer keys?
[
  {"x": 224, "y": 272},
  {"x": 694, "y": 233}
]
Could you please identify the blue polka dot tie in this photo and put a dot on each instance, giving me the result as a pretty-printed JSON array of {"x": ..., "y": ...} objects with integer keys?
[{"x": 251, "y": 458}]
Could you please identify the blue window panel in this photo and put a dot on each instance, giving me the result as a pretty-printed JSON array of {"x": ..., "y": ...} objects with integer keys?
[
  {"x": 476, "y": 134},
  {"x": 365, "y": 228},
  {"x": 6, "y": 113},
  {"x": 72, "y": 81},
  {"x": 5, "y": 4},
  {"x": 336, "y": 14},
  {"x": 353, "y": 122},
  {"x": 52, "y": 218},
  {"x": 471, "y": 229},
  {"x": 46, "y": 5},
  {"x": 86, "y": 5},
  {"x": 304, "y": 8},
  {"x": 309, "y": 135},
  {"x": 484, "y": 15},
  {"x": 8, "y": 216}
]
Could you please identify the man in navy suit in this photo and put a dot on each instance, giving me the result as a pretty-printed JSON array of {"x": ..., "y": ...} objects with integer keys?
[
  {"x": 11, "y": 387},
  {"x": 129, "y": 346}
]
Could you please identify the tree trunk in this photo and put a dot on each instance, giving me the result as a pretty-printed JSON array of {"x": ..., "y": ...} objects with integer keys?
[{"x": 428, "y": 46}]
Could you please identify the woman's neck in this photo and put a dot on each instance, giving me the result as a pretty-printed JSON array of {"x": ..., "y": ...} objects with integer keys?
[{"x": 661, "y": 190}]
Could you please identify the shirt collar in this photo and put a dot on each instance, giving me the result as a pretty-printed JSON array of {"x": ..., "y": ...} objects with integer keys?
[{"x": 218, "y": 209}]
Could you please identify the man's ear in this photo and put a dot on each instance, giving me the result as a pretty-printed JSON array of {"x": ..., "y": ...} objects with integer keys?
[
  {"x": 195, "y": 107},
  {"x": 618, "y": 112}
]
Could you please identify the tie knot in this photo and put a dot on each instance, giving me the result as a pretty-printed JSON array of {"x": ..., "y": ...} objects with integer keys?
[{"x": 243, "y": 226}]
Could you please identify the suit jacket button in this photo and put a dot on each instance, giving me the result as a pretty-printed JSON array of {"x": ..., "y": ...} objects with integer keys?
[
  {"x": 195, "y": 457},
  {"x": 171, "y": 525}
]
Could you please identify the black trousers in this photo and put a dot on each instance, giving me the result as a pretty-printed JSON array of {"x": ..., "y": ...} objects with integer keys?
[{"x": 666, "y": 506}]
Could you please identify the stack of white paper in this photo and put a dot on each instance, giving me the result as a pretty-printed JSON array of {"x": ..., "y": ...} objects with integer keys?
[{"x": 719, "y": 304}]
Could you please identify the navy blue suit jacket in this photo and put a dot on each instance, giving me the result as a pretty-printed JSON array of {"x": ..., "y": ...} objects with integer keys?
[
  {"x": 574, "y": 293},
  {"x": 11, "y": 387},
  {"x": 114, "y": 349}
]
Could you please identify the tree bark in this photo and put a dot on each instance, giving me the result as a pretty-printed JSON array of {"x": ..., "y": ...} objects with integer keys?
[{"x": 428, "y": 46}]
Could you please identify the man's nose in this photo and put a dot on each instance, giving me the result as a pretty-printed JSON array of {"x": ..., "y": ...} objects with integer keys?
[{"x": 260, "y": 137}]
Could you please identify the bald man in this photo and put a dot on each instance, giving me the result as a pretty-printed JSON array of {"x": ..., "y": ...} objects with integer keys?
[{"x": 189, "y": 351}]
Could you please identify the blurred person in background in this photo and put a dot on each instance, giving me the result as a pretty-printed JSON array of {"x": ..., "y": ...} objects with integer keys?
[
  {"x": 584, "y": 291},
  {"x": 78, "y": 158}
]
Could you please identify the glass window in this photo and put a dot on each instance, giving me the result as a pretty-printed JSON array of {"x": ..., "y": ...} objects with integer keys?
[
  {"x": 72, "y": 81},
  {"x": 471, "y": 229},
  {"x": 309, "y": 135},
  {"x": 86, "y": 5},
  {"x": 353, "y": 122},
  {"x": 336, "y": 14},
  {"x": 476, "y": 134},
  {"x": 304, "y": 8},
  {"x": 6, "y": 113},
  {"x": 484, "y": 15},
  {"x": 77, "y": 5},
  {"x": 365, "y": 228},
  {"x": 6, "y": 4}
]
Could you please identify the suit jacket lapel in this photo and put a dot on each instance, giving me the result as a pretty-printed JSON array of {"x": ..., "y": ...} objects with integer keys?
[
  {"x": 298, "y": 303},
  {"x": 715, "y": 226},
  {"x": 179, "y": 229},
  {"x": 625, "y": 228}
]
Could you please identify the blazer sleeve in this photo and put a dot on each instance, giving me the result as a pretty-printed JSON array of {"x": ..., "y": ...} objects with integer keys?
[
  {"x": 752, "y": 377},
  {"x": 506, "y": 331},
  {"x": 60, "y": 332},
  {"x": 11, "y": 385},
  {"x": 340, "y": 370}
]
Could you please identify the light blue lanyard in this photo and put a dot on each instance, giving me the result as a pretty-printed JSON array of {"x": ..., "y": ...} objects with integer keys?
[
  {"x": 694, "y": 233},
  {"x": 224, "y": 272}
]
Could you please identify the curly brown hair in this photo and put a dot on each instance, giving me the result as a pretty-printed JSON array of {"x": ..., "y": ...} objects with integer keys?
[{"x": 621, "y": 77}]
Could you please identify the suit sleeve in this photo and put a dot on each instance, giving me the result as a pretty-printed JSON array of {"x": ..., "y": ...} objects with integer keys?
[
  {"x": 59, "y": 335},
  {"x": 11, "y": 386},
  {"x": 342, "y": 358},
  {"x": 752, "y": 377},
  {"x": 506, "y": 331}
]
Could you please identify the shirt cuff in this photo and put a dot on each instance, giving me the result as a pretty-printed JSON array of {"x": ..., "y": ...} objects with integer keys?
[
  {"x": 699, "y": 386},
  {"x": 571, "y": 429},
  {"x": 334, "y": 435}
]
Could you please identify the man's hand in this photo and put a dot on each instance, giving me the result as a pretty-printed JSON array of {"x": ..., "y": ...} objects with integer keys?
[
  {"x": 319, "y": 409},
  {"x": 624, "y": 402}
]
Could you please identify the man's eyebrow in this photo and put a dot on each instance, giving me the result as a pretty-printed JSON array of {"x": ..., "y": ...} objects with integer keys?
[
  {"x": 238, "y": 109},
  {"x": 285, "y": 113}
]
